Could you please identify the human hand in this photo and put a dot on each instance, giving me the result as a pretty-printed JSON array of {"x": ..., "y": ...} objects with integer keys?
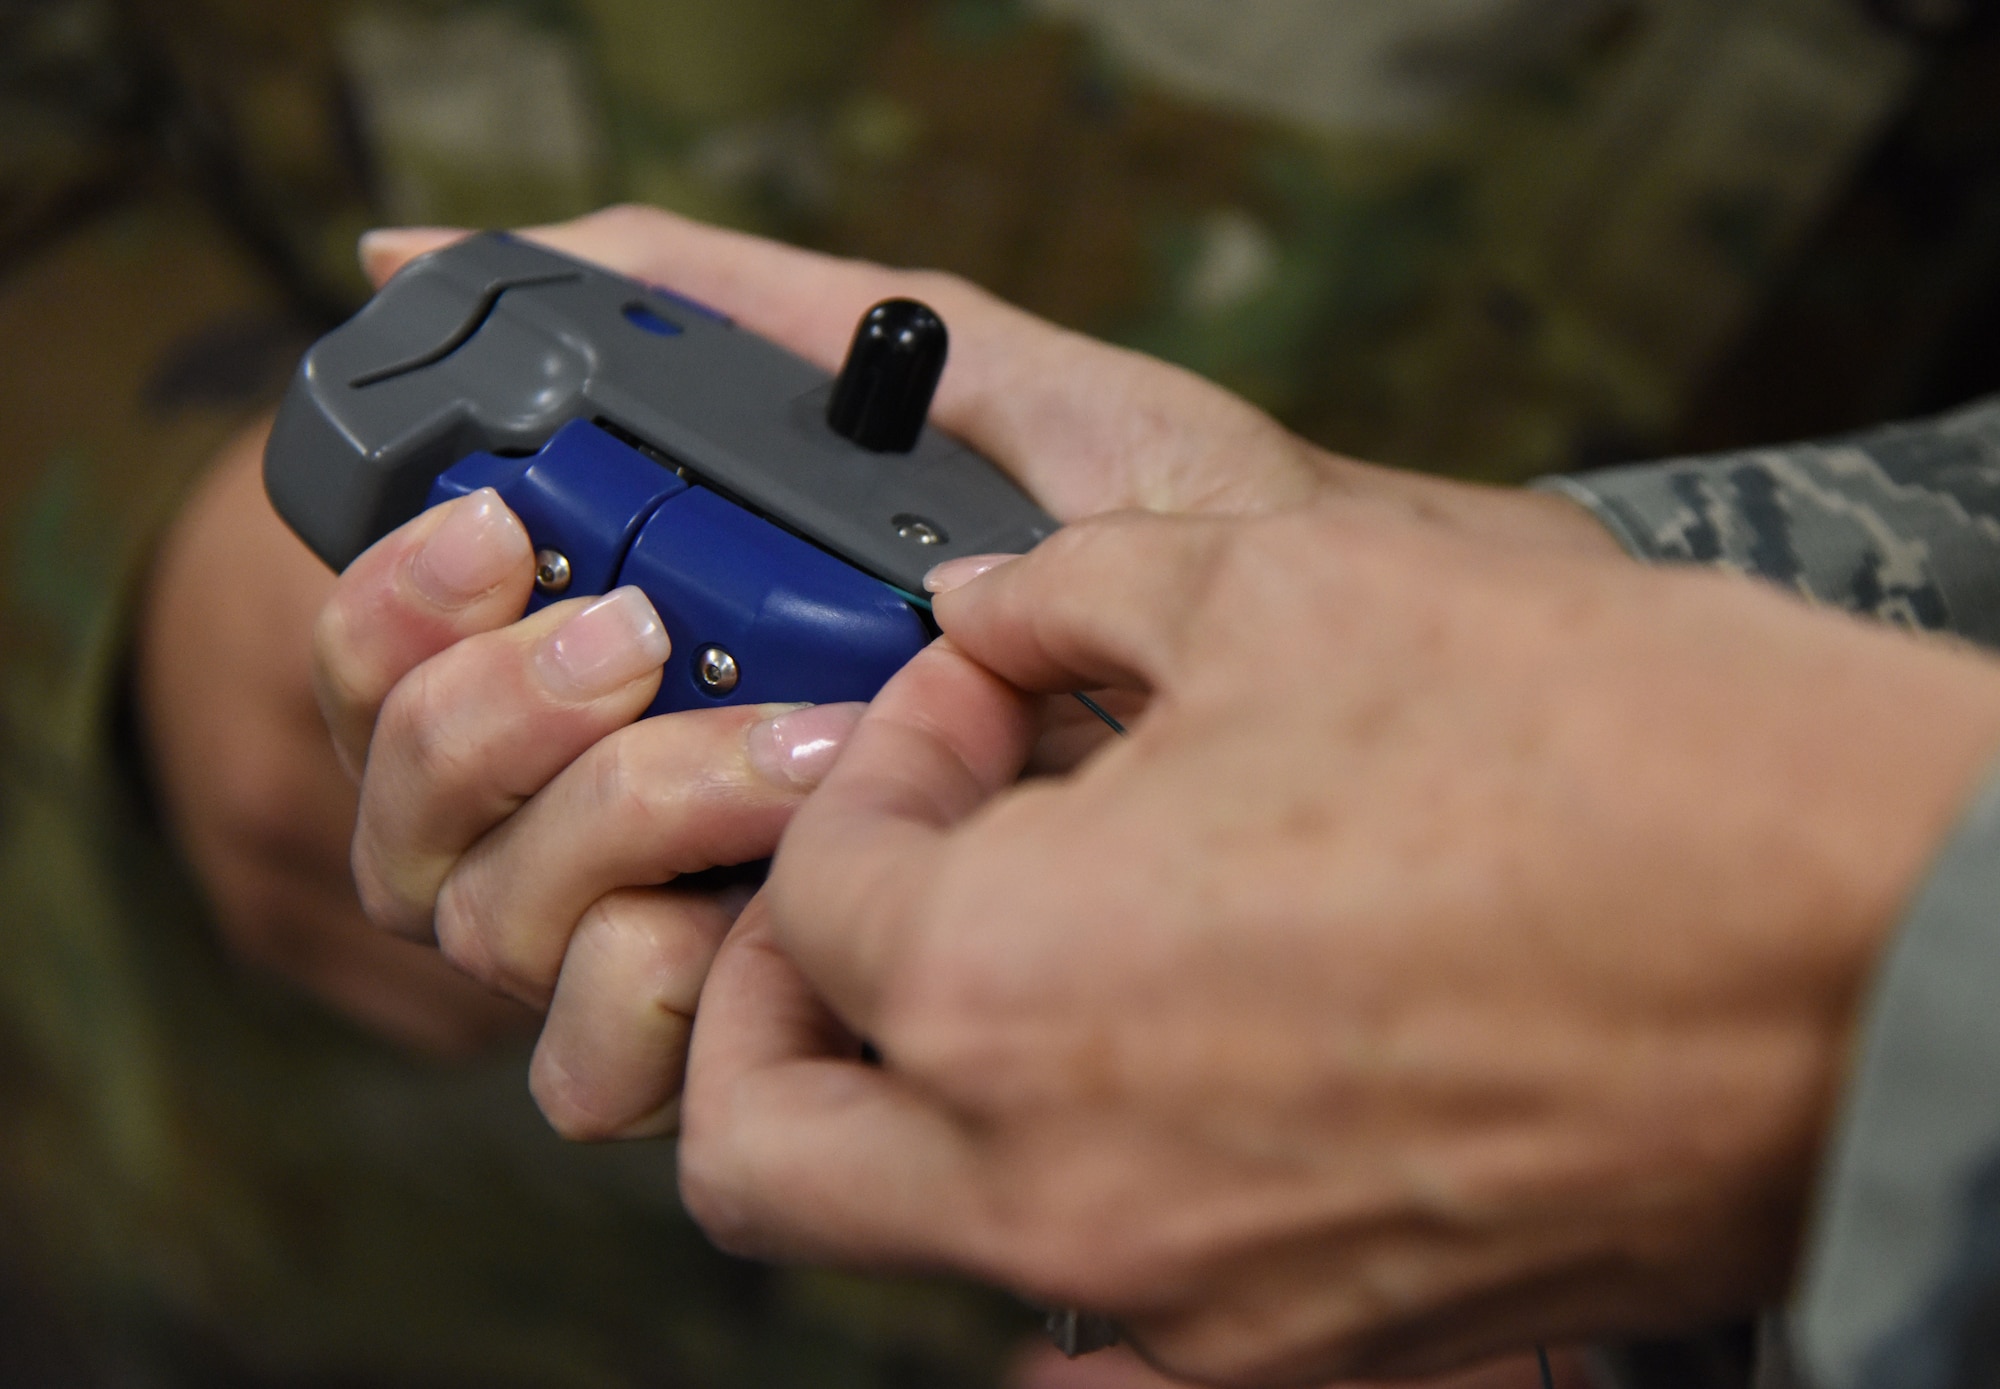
[
  {"x": 513, "y": 812},
  {"x": 1089, "y": 427},
  {"x": 1085, "y": 427},
  {"x": 223, "y": 680},
  {"x": 1462, "y": 952},
  {"x": 265, "y": 806}
]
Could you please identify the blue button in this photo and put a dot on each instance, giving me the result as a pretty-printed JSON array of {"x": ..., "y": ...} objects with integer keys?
[{"x": 645, "y": 316}]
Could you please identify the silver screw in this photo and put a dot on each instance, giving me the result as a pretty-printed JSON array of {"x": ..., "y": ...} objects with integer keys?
[
  {"x": 918, "y": 529},
  {"x": 716, "y": 671},
  {"x": 552, "y": 571}
]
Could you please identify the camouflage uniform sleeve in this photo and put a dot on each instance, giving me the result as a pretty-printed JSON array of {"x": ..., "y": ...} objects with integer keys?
[
  {"x": 1901, "y": 524},
  {"x": 1901, "y": 1285},
  {"x": 1901, "y": 1281}
]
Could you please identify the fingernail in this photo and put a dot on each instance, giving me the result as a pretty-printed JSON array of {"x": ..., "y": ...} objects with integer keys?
[
  {"x": 609, "y": 644},
  {"x": 799, "y": 747},
  {"x": 476, "y": 545},
  {"x": 957, "y": 573}
]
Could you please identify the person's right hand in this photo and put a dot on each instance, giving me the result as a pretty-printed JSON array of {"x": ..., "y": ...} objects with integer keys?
[
  {"x": 506, "y": 805},
  {"x": 1465, "y": 950}
]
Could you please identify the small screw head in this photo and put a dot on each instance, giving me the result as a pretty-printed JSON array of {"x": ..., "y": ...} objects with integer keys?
[
  {"x": 716, "y": 671},
  {"x": 917, "y": 529},
  {"x": 552, "y": 574}
]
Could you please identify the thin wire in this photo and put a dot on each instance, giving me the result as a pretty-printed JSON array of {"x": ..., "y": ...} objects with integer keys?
[
  {"x": 1110, "y": 720},
  {"x": 1548, "y": 1375}
]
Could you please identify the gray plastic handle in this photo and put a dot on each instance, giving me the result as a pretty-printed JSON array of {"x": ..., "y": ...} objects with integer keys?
[{"x": 493, "y": 344}]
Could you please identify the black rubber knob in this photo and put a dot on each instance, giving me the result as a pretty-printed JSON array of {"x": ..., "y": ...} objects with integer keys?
[{"x": 884, "y": 392}]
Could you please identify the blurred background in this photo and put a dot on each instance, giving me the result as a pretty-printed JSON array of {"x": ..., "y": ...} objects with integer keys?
[
  {"x": 1493, "y": 238},
  {"x": 1490, "y": 236}
]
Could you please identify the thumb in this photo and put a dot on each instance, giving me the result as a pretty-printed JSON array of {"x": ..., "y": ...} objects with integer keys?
[
  {"x": 386, "y": 250},
  {"x": 1101, "y": 604}
]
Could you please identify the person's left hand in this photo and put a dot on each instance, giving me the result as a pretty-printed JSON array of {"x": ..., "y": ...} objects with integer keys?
[{"x": 1463, "y": 951}]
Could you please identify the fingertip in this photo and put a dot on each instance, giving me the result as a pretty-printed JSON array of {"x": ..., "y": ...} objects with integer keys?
[
  {"x": 1095, "y": 606},
  {"x": 614, "y": 641},
  {"x": 957, "y": 573},
  {"x": 456, "y": 570},
  {"x": 565, "y": 1101},
  {"x": 473, "y": 545},
  {"x": 385, "y": 250}
]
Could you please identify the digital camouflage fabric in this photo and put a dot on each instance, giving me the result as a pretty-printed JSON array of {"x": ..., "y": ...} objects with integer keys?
[
  {"x": 1901, "y": 524},
  {"x": 1901, "y": 1278}
]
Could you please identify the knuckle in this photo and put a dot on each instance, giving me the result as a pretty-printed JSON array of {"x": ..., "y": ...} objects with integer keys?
[
  {"x": 959, "y": 1004},
  {"x": 1089, "y": 537},
  {"x": 418, "y": 729},
  {"x": 396, "y": 888},
  {"x": 948, "y": 1050},
  {"x": 1220, "y": 575},
  {"x": 1110, "y": 549},
  {"x": 468, "y": 936},
  {"x": 623, "y": 789},
  {"x": 661, "y": 790},
  {"x": 671, "y": 951}
]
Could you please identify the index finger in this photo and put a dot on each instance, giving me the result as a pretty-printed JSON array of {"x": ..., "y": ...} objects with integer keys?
[
  {"x": 851, "y": 878},
  {"x": 455, "y": 570}
]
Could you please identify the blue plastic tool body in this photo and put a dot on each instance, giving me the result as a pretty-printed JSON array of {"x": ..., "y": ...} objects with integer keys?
[
  {"x": 584, "y": 494},
  {"x": 800, "y": 624}
]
